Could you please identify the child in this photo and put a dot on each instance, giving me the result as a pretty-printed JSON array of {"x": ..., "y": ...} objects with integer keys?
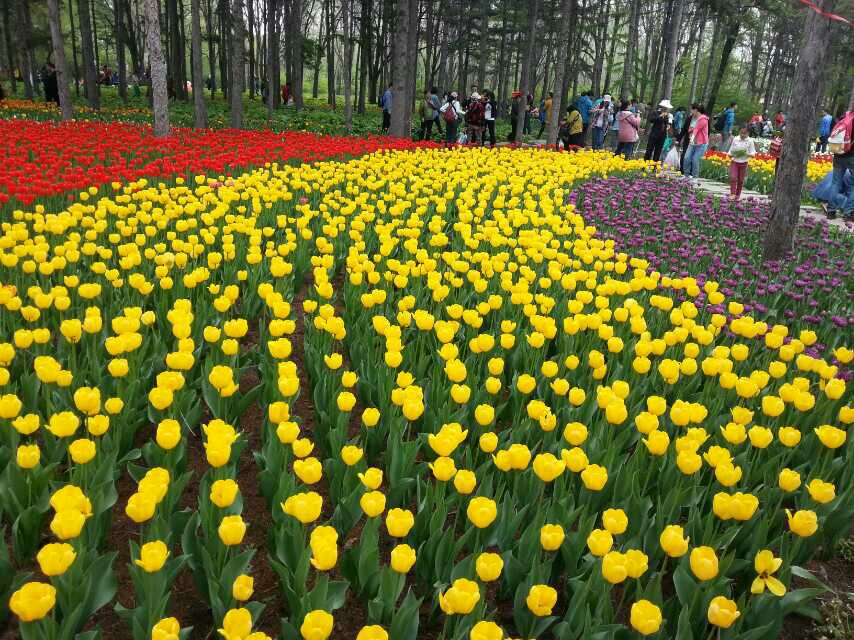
[{"x": 740, "y": 151}]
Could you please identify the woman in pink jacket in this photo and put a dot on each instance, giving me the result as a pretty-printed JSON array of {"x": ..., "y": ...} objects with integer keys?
[
  {"x": 629, "y": 129},
  {"x": 698, "y": 140}
]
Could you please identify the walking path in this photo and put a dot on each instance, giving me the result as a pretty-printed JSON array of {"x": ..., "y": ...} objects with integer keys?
[{"x": 815, "y": 213}]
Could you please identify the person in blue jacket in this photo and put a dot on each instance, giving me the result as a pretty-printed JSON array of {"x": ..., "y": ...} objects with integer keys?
[
  {"x": 584, "y": 104},
  {"x": 824, "y": 127},
  {"x": 729, "y": 122},
  {"x": 832, "y": 200}
]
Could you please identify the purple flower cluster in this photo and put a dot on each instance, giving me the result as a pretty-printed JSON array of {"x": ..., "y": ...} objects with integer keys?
[{"x": 683, "y": 232}]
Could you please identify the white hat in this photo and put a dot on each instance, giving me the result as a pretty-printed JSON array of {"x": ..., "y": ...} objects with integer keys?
[
  {"x": 666, "y": 104},
  {"x": 475, "y": 96},
  {"x": 607, "y": 97}
]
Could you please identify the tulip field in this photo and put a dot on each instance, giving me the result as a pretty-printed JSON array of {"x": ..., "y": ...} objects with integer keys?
[
  {"x": 760, "y": 173},
  {"x": 260, "y": 385}
]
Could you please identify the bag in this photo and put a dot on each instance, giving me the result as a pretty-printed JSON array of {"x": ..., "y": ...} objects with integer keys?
[
  {"x": 463, "y": 139},
  {"x": 474, "y": 115},
  {"x": 450, "y": 114},
  {"x": 841, "y": 137},
  {"x": 672, "y": 159},
  {"x": 720, "y": 122}
]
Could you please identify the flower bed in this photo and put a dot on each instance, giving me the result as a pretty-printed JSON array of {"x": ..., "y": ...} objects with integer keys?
[
  {"x": 760, "y": 173},
  {"x": 685, "y": 233},
  {"x": 44, "y": 158},
  {"x": 479, "y": 415}
]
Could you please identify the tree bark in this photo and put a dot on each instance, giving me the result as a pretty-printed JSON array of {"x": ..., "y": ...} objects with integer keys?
[
  {"x": 525, "y": 75},
  {"x": 800, "y": 129},
  {"x": 672, "y": 46},
  {"x": 331, "y": 98},
  {"x": 176, "y": 52},
  {"x": 209, "y": 22},
  {"x": 566, "y": 21},
  {"x": 10, "y": 49},
  {"x": 250, "y": 32},
  {"x": 272, "y": 55},
  {"x": 365, "y": 33},
  {"x": 347, "y": 70},
  {"x": 712, "y": 55},
  {"x": 482, "y": 49},
  {"x": 200, "y": 110},
  {"x": 628, "y": 86},
  {"x": 25, "y": 48},
  {"x": 412, "y": 54},
  {"x": 90, "y": 76},
  {"x": 59, "y": 60},
  {"x": 729, "y": 42},
  {"x": 224, "y": 48},
  {"x": 95, "y": 34},
  {"x": 695, "y": 72},
  {"x": 400, "y": 115},
  {"x": 237, "y": 65},
  {"x": 159, "y": 92},
  {"x": 121, "y": 65},
  {"x": 296, "y": 54}
]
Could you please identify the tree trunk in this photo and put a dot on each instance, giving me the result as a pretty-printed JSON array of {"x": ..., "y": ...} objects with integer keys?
[
  {"x": 400, "y": 115},
  {"x": 731, "y": 37},
  {"x": 851, "y": 99},
  {"x": 525, "y": 75},
  {"x": 90, "y": 76},
  {"x": 758, "y": 37},
  {"x": 347, "y": 70},
  {"x": 209, "y": 22},
  {"x": 331, "y": 98},
  {"x": 59, "y": 60},
  {"x": 412, "y": 54},
  {"x": 482, "y": 49},
  {"x": 10, "y": 49},
  {"x": 672, "y": 46},
  {"x": 628, "y": 86},
  {"x": 201, "y": 112},
  {"x": 159, "y": 92},
  {"x": 176, "y": 52},
  {"x": 318, "y": 56},
  {"x": 95, "y": 34},
  {"x": 711, "y": 63},
  {"x": 250, "y": 14},
  {"x": 25, "y": 48},
  {"x": 695, "y": 72},
  {"x": 224, "y": 48},
  {"x": 800, "y": 129},
  {"x": 566, "y": 21},
  {"x": 599, "y": 47},
  {"x": 121, "y": 65},
  {"x": 609, "y": 69},
  {"x": 272, "y": 55},
  {"x": 237, "y": 65},
  {"x": 365, "y": 33}
]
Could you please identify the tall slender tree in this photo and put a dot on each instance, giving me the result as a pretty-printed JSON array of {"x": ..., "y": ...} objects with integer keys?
[
  {"x": 25, "y": 58},
  {"x": 400, "y": 113},
  {"x": 800, "y": 129},
  {"x": 566, "y": 22},
  {"x": 297, "y": 53},
  {"x": 627, "y": 88},
  {"x": 272, "y": 56},
  {"x": 199, "y": 109},
  {"x": 121, "y": 64},
  {"x": 672, "y": 49},
  {"x": 527, "y": 61},
  {"x": 90, "y": 71},
  {"x": 159, "y": 91},
  {"x": 237, "y": 65},
  {"x": 348, "y": 65},
  {"x": 59, "y": 60}
]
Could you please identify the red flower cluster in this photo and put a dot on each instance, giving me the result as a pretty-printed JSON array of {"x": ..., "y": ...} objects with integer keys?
[{"x": 46, "y": 158}]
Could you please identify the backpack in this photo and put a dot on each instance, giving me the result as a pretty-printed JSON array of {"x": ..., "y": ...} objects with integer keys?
[
  {"x": 720, "y": 122},
  {"x": 841, "y": 139},
  {"x": 474, "y": 115},
  {"x": 450, "y": 114}
]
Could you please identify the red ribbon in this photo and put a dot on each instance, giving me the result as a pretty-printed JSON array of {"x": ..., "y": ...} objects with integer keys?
[{"x": 830, "y": 16}]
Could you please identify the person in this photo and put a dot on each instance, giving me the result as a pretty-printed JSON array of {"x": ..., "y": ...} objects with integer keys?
[
  {"x": 51, "y": 88},
  {"x": 529, "y": 108},
  {"x": 385, "y": 104},
  {"x": 584, "y": 105},
  {"x": 767, "y": 129},
  {"x": 474, "y": 119},
  {"x": 471, "y": 97},
  {"x": 841, "y": 145},
  {"x": 600, "y": 117},
  {"x": 698, "y": 140},
  {"x": 659, "y": 126},
  {"x": 436, "y": 104},
  {"x": 729, "y": 122},
  {"x": 489, "y": 111},
  {"x": 775, "y": 150},
  {"x": 515, "y": 111},
  {"x": 615, "y": 131},
  {"x": 286, "y": 94},
  {"x": 779, "y": 121},
  {"x": 740, "y": 152},
  {"x": 678, "y": 120},
  {"x": 825, "y": 126},
  {"x": 546, "y": 113},
  {"x": 572, "y": 128},
  {"x": 425, "y": 112},
  {"x": 629, "y": 131},
  {"x": 451, "y": 113},
  {"x": 832, "y": 200}
]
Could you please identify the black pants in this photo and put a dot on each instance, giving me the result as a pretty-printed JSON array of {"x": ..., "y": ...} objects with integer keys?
[
  {"x": 426, "y": 130},
  {"x": 450, "y": 132},
  {"x": 821, "y": 147},
  {"x": 386, "y": 120},
  {"x": 438, "y": 122},
  {"x": 490, "y": 128},
  {"x": 654, "y": 147},
  {"x": 514, "y": 122}
]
